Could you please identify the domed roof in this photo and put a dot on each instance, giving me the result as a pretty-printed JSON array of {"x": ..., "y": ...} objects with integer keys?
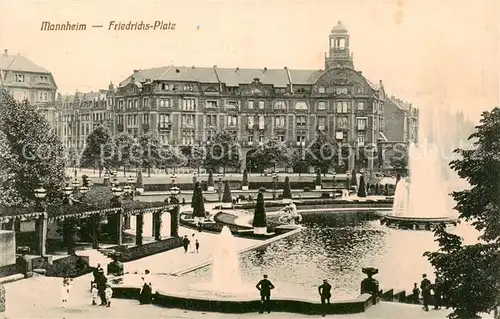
[{"x": 339, "y": 28}]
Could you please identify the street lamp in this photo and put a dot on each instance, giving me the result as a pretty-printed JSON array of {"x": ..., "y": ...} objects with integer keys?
[
  {"x": 84, "y": 190},
  {"x": 67, "y": 190},
  {"x": 117, "y": 191},
  {"x": 275, "y": 182},
  {"x": 220, "y": 189},
  {"x": 40, "y": 194}
]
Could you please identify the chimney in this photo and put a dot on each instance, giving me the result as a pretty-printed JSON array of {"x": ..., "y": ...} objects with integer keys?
[
  {"x": 6, "y": 51},
  {"x": 135, "y": 71},
  {"x": 265, "y": 69},
  {"x": 286, "y": 68}
]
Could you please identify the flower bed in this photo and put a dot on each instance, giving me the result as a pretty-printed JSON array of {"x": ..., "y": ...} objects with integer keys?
[
  {"x": 70, "y": 266},
  {"x": 332, "y": 203}
]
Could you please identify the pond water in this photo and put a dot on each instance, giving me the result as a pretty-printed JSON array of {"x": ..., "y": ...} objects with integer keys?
[{"x": 338, "y": 253}]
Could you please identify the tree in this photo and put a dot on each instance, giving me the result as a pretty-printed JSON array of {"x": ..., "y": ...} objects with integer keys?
[
  {"x": 259, "y": 222},
  {"x": 354, "y": 180},
  {"x": 321, "y": 153},
  {"x": 224, "y": 151},
  {"x": 36, "y": 153},
  {"x": 150, "y": 147},
  {"x": 99, "y": 149},
  {"x": 244, "y": 182},
  {"x": 197, "y": 156},
  {"x": 299, "y": 161},
  {"x": 287, "y": 192},
  {"x": 198, "y": 203},
  {"x": 139, "y": 184},
  {"x": 270, "y": 154},
  {"x": 361, "y": 188},
  {"x": 125, "y": 146},
  {"x": 226, "y": 196},
  {"x": 9, "y": 195},
  {"x": 471, "y": 273},
  {"x": 171, "y": 157}
]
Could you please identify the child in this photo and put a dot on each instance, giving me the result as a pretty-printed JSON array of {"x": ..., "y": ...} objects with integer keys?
[
  {"x": 95, "y": 294},
  {"x": 109, "y": 294},
  {"x": 65, "y": 292},
  {"x": 197, "y": 245}
]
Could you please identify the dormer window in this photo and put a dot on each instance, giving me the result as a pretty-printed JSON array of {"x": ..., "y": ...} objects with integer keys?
[
  {"x": 164, "y": 87},
  {"x": 301, "y": 105},
  {"x": 188, "y": 87},
  {"x": 321, "y": 89},
  {"x": 341, "y": 90},
  {"x": 43, "y": 79},
  {"x": 19, "y": 78}
]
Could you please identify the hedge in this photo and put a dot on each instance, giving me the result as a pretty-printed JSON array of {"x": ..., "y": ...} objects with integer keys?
[{"x": 145, "y": 250}]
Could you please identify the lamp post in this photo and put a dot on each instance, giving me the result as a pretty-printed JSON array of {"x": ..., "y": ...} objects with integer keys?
[
  {"x": 275, "y": 182},
  {"x": 75, "y": 185},
  {"x": 117, "y": 219},
  {"x": 106, "y": 179},
  {"x": 130, "y": 181},
  {"x": 41, "y": 222},
  {"x": 220, "y": 190},
  {"x": 348, "y": 174},
  {"x": 174, "y": 190}
]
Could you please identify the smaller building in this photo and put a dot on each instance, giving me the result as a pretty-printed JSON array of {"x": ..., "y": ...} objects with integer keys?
[{"x": 25, "y": 80}]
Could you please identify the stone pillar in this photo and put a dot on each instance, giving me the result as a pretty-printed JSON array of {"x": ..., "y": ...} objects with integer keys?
[
  {"x": 153, "y": 224},
  {"x": 41, "y": 234},
  {"x": 119, "y": 227},
  {"x": 174, "y": 221},
  {"x": 126, "y": 222},
  {"x": 157, "y": 217},
  {"x": 139, "y": 224}
]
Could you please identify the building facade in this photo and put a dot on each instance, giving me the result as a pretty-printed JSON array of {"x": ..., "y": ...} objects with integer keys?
[
  {"x": 25, "y": 80},
  {"x": 401, "y": 120}
]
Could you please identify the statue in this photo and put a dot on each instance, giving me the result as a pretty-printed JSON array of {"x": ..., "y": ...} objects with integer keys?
[
  {"x": 289, "y": 215},
  {"x": 370, "y": 285}
]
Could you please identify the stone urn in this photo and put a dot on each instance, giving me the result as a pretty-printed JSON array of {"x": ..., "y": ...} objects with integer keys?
[{"x": 370, "y": 285}]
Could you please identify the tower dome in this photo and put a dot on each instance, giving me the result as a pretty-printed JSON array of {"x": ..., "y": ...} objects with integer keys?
[{"x": 339, "y": 28}]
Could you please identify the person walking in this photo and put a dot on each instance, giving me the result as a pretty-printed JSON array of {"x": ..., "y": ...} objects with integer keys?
[
  {"x": 197, "y": 245},
  {"x": 95, "y": 294},
  {"x": 265, "y": 286},
  {"x": 437, "y": 288},
  {"x": 65, "y": 292},
  {"x": 416, "y": 294},
  {"x": 425, "y": 286},
  {"x": 325, "y": 293},
  {"x": 185, "y": 243}
]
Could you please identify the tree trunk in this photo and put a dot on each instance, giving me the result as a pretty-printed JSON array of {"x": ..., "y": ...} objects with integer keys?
[
  {"x": 100, "y": 171},
  {"x": 124, "y": 171},
  {"x": 149, "y": 171}
]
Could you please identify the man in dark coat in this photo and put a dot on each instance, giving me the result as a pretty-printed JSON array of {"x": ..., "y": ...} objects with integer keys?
[
  {"x": 425, "y": 287},
  {"x": 325, "y": 292},
  {"x": 437, "y": 288},
  {"x": 101, "y": 286},
  {"x": 185, "y": 243},
  {"x": 265, "y": 286}
]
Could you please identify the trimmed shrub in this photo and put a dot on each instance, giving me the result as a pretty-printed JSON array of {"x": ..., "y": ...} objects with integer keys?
[
  {"x": 226, "y": 197},
  {"x": 259, "y": 217},
  {"x": 196, "y": 185},
  {"x": 210, "y": 181},
  {"x": 262, "y": 190},
  {"x": 354, "y": 180},
  {"x": 244, "y": 182},
  {"x": 318, "y": 178},
  {"x": 361, "y": 189},
  {"x": 139, "y": 183},
  {"x": 287, "y": 192},
  {"x": 198, "y": 203}
]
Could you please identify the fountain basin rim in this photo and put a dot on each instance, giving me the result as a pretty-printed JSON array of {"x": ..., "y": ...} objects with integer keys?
[{"x": 444, "y": 219}]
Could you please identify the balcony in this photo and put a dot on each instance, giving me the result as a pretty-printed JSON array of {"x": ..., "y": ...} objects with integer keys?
[
  {"x": 165, "y": 126},
  {"x": 261, "y": 126},
  {"x": 361, "y": 127}
]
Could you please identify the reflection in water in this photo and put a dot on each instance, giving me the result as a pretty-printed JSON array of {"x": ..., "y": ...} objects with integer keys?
[{"x": 338, "y": 254}]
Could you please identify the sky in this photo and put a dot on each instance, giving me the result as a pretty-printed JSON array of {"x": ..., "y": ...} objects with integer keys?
[{"x": 431, "y": 53}]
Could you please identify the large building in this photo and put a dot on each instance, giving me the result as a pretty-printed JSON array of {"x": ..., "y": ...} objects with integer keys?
[
  {"x": 25, "y": 80},
  {"x": 187, "y": 105}
]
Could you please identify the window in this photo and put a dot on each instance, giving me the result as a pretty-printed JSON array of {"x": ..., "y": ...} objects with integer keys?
[
  {"x": 232, "y": 89},
  {"x": 321, "y": 105},
  {"x": 261, "y": 105},
  {"x": 164, "y": 102},
  {"x": 341, "y": 90},
  {"x": 280, "y": 90},
  {"x": 261, "y": 122},
  {"x": 281, "y": 137},
  {"x": 321, "y": 121},
  {"x": 136, "y": 103},
  {"x": 361, "y": 137},
  {"x": 212, "y": 120},
  {"x": 250, "y": 104},
  {"x": 301, "y": 105},
  {"x": 362, "y": 123},
  {"x": 188, "y": 87},
  {"x": 321, "y": 89},
  {"x": 129, "y": 104},
  {"x": 19, "y": 78},
  {"x": 251, "y": 121},
  {"x": 43, "y": 79},
  {"x": 361, "y": 105},
  {"x": 187, "y": 137},
  {"x": 280, "y": 105},
  {"x": 301, "y": 137},
  {"x": 261, "y": 138},
  {"x": 211, "y": 104},
  {"x": 164, "y": 118},
  {"x": 145, "y": 118},
  {"x": 188, "y": 119},
  {"x": 145, "y": 102},
  {"x": 164, "y": 87},
  {"x": 301, "y": 120},
  {"x": 211, "y": 135},
  {"x": 232, "y": 104},
  {"x": 232, "y": 120},
  {"x": 121, "y": 104},
  {"x": 342, "y": 121},
  {"x": 279, "y": 121},
  {"x": 250, "y": 138},
  {"x": 360, "y": 90},
  {"x": 188, "y": 104},
  {"x": 341, "y": 107},
  {"x": 163, "y": 139}
]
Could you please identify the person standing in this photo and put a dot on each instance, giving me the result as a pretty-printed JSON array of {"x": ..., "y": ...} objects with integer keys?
[
  {"x": 95, "y": 293},
  {"x": 192, "y": 241},
  {"x": 425, "y": 286},
  {"x": 108, "y": 293},
  {"x": 325, "y": 292},
  {"x": 185, "y": 243},
  {"x": 64, "y": 292},
  {"x": 416, "y": 294},
  {"x": 265, "y": 286},
  {"x": 95, "y": 273},
  {"x": 197, "y": 245},
  {"x": 101, "y": 286},
  {"x": 437, "y": 288}
]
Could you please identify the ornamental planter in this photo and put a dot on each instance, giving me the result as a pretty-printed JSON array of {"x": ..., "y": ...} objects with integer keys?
[{"x": 260, "y": 230}]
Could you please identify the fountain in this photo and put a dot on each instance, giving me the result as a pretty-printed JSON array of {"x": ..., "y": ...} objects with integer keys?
[{"x": 422, "y": 199}]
